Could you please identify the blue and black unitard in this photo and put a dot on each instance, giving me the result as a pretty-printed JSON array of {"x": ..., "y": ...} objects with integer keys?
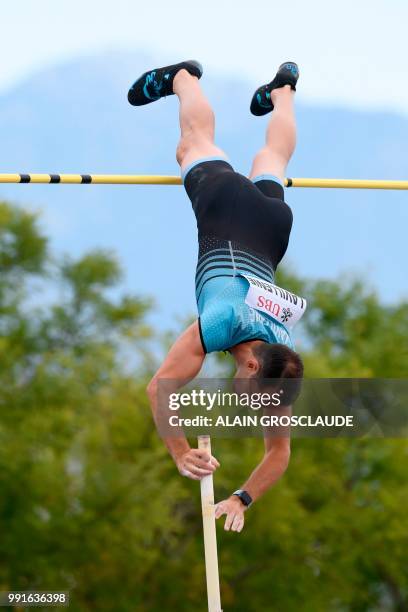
[{"x": 243, "y": 228}]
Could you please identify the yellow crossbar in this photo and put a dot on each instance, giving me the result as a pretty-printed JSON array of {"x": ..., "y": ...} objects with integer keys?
[
  {"x": 153, "y": 179},
  {"x": 345, "y": 183},
  {"x": 94, "y": 179}
]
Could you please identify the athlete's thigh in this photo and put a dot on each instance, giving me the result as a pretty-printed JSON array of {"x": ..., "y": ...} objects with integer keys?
[
  {"x": 267, "y": 163},
  {"x": 210, "y": 182},
  {"x": 270, "y": 186}
]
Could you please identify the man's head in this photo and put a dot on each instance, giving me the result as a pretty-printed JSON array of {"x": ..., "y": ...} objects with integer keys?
[{"x": 270, "y": 365}]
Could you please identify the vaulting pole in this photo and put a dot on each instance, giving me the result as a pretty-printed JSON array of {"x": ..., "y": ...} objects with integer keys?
[
  {"x": 153, "y": 179},
  {"x": 210, "y": 536}
]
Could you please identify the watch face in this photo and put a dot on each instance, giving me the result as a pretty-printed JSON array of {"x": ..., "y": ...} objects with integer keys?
[{"x": 247, "y": 499}]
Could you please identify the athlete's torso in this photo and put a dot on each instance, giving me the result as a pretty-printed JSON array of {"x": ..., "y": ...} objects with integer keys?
[
  {"x": 225, "y": 319},
  {"x": 243, "y": 227}
]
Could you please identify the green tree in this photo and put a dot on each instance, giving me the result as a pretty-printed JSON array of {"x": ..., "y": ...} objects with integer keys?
[{"x": 90, "y": 502}]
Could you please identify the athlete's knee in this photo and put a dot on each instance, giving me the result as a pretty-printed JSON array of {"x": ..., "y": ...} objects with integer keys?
[
  {"x": 279, "y": 153},
  {"x": 191, "y": 143},
  {"x": 181, "y": 151},
  {"x": 271, "y": 155},
  {"x": 267, "y": 160}
]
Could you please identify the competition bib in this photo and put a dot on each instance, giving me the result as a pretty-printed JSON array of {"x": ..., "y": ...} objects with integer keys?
[{"x": 283, "y": 306}]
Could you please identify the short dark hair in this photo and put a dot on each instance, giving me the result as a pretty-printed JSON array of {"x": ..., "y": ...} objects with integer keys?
[{"x": 279, "y": 362}]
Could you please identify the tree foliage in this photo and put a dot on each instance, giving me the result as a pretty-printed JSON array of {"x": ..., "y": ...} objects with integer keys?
[{"x": 90, "y": 501}]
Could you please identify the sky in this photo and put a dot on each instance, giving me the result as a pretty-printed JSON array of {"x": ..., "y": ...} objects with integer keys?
[
  {"x": 358, "y": 42},
  {"x": 351, "y": 55}
]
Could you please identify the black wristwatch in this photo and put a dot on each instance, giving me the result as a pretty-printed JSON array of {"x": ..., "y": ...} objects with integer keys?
[{"x": 244, "y": 496}]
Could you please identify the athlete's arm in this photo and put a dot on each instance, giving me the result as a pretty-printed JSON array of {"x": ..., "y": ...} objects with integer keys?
[
  {"x": 181, "y": 365},
  {"x": 273, "y": 465}
]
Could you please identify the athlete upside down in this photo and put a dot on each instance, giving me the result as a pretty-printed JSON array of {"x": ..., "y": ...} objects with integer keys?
[{"x": 243, "y": 229}]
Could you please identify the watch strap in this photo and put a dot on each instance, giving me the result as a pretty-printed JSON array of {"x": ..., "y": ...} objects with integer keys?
[{"x": 244, "y": 496}]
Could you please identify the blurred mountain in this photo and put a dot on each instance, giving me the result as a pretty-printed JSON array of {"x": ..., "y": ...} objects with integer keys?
[{"x": 75, "y": 118}]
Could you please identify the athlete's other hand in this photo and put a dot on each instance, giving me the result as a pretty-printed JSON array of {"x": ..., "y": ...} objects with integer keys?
[
  {"x": 234, "y": 509},
  {"x": 197, "y": 463}
]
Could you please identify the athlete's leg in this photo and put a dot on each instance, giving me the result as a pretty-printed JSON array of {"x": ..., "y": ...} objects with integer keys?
[
  {"x": 197, "y": 122},
  {"x": 280, "y": 143}
]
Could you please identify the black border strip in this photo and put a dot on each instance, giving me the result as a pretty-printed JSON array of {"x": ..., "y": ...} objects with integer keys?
[{"x": 201, "y": 336}]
